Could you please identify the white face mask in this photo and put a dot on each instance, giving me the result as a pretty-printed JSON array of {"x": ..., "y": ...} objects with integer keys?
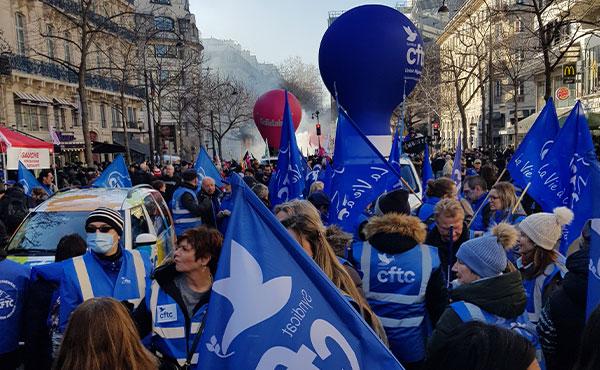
[{"x": 100, "y": 243}]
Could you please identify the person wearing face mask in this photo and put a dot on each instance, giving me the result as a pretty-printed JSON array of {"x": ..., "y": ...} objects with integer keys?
[
  {"x": 484, "y": 289},
  {"x": 541, "y": 266},
  {"x": 180, "y": 291},
  {"x": 106, "y": 269}
]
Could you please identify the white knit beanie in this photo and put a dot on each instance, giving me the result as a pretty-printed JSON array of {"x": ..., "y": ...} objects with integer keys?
[{"x": 544, "y": 229}]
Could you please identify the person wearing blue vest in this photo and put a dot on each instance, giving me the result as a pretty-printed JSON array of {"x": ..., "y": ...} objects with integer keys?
[
  {"x": 14, "y": 282},
  {"x": 484, "y": 289},
  {"x": 186, "y": 210},
  {"x": 46, "y": 179},
  {"x": 177, "y": 300},
  {"x": 475, "y": 190},
  {"x": 402, "y": 281},
  {"x": 503, "y": 200},
  {"x": 106, "y": 269},
  {"x": 542, "y": 267}
]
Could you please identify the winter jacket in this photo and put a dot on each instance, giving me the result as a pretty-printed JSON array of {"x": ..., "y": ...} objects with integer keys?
[
  {"x": 396, "y": 264},
  {"x": 563, "y": 317},
  {"x": 171, "y": 183},
  {"x": 502, "y": 295},
  {"x": 434, "y": 238},
  {"x": 14, "y": 207}
]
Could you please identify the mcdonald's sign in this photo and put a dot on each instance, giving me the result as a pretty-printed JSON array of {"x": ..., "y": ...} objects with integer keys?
[{"x": 569, "y": 73}]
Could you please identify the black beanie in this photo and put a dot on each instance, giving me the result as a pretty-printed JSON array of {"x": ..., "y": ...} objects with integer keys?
[
  {"x": 395, "y": 201},
  {"x": 108, "y": 216}
]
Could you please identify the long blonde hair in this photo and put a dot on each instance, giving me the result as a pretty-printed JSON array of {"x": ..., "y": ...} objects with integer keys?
[
  {"x": 303, "y": 218},
  {"x": 102, "y": 336}
]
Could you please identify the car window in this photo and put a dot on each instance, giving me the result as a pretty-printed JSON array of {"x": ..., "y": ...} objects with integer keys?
[
  {"x": 139, "y": 224},
  {"x": 163, "y": 206},
  {"x": 42, "y": 231},
  {"x": 155, "y": 216},
  {"x": 408, "y": 176}
]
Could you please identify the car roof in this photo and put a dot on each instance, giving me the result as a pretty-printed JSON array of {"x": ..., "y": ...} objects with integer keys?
[{"x": 89, "y": 199}]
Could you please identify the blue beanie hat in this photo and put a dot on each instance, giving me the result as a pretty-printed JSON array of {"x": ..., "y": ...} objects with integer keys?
[{"x": 485, "y": 256}]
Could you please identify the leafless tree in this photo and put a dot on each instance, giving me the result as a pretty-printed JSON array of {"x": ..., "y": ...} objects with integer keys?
[
  {"x": 304, "y": 81},
  {"x": 556, "y": 25},
  {"x": 80, "y": 26}
]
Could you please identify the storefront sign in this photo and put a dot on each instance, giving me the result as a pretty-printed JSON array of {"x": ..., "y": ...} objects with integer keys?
[
  {"x": 569, "y": 73},
  {"x": 32, "y": 158},
  {"x": 562, "y": 93}
]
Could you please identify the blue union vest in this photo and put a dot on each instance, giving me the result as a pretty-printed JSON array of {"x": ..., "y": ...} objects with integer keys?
[{"x": 395, "y": 286}]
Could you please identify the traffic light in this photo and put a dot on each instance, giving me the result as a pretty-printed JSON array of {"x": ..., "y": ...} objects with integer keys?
[{"x": 318, "y": 129}]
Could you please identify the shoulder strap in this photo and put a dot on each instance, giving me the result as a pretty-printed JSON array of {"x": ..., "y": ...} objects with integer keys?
[
  {"x": 468, "y": 311},
  {"x": 140, "y": 275},
  {"x": 192, "y": 351},
  {"x": 83, "y": 277}
]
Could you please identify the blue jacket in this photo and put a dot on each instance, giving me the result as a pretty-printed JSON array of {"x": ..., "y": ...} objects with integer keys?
[
  {"x": 395, "y": 286},
  {"x": 84, "y": 278},
  {"x": 478, "y": 223},
  {"x": 425, "y": 212},
  {"x": 182, "y": 217},
  {"x": 14, "y": 281},
  {"x": 165, "y": 317}
]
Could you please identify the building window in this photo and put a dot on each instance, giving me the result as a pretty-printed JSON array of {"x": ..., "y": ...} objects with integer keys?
[
  {"x": 519, "y": 25},
  {"x": 165, "y": 51},
  {"x": 161, "y": 2},
  {"x": 75, "y": 116},
  {"x": 90, "y": 111},
  {"x": 31, "y": 117},
  {"x": 498, "y": 89},
  {"x": 99, "y": 57},
  {"x": 67, "y": 47},
  {"x": 163, "y": 76},
  {"x": 102, "y": 116},
  {"x": 114, "y": 117},
  {"x": 50, "y": 41},
  {"x": 521, "y": 88},
  {"x": 131, "y": 123},
  {"x": 20, "y": 22},
  {"x": 164, "y": 24}
]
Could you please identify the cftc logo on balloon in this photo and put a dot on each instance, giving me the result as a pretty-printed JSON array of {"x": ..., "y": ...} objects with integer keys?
[{"x": 372, "y": 55}]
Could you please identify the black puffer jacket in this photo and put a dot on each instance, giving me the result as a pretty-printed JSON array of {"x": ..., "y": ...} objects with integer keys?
[
  {"x": 563, "y": 317},
  {"x": 502, "y": 296}
]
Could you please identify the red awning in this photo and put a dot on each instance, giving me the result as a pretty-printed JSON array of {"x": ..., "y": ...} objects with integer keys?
[{"x": 12, "y": 139}]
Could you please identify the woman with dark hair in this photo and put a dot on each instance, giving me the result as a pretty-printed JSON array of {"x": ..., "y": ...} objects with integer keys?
[
  {"x": 589, "y": 351},
  {"x": 101, "y": 336},
  {"x": 478, "y": 346},
  {"x": 541, "y": 266},
  {"x": 181, "y": 285}
]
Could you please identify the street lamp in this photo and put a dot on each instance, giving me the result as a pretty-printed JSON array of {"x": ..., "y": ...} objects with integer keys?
[{"x": 318, "y": 127}]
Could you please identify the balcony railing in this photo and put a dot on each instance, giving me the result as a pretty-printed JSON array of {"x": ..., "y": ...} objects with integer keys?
[
  {"x": 73, "y": 8},
  {"x": 57, "y": 72}
]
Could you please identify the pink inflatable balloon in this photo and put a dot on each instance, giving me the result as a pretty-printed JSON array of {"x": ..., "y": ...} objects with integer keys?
[{"x": 268, "y": 114}]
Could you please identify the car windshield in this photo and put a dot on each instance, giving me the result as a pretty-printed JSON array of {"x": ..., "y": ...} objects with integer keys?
[
  {"x": 407, "y": 175},
  {"x": 42, "y": 231}
]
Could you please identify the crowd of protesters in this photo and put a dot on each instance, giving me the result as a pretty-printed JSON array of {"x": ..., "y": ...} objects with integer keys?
[{"x": 470, "y": 279}]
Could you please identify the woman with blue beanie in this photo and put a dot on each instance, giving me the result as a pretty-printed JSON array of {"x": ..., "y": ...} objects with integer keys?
[{"x": 487, "y": 288}]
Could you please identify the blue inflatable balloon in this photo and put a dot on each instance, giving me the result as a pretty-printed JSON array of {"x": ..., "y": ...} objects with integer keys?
[{"x": 367, "y": 55}]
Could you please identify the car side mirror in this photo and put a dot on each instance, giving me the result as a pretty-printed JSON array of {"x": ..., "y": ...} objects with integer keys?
[{"x": 143, "y": 240}]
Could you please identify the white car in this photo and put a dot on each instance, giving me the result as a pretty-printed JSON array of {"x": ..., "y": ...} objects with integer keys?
[{"x": 411, "y": 176}]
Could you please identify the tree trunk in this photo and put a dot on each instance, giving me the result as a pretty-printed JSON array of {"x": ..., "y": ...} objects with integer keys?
[
  {"x": 125, "y": 133},
  {"x": 87, "y": 140}
]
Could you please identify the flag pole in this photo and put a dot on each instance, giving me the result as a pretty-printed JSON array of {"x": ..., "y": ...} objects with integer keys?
[
  {"x": 520, "y": 199},
  {"x": 486, "y": 198},
  {"x": 449, "y": 259},
  {"x": 412, "y": 191}
]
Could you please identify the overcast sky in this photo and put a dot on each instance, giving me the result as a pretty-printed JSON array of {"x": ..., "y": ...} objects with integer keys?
[{"x": 271, "y": 29}]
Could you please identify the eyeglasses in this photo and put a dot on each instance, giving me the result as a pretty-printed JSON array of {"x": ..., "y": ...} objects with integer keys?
[{"x": 103, "y": 229}]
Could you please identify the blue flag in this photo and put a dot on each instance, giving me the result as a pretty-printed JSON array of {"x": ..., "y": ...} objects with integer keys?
[
  {"x": 524, "y": 164},
  {"x": 205, "y": 167},
  {"x": 456, "y": 167},
  {"x": 272, "y": 307},
  {"x": 565, "y": 175},
  {"x": 312, "y": 175},
  {"x": 396, "y": 150},
  {"x": 114, "y": 176},
  {"x": 325, "y": 176},
  {"x": 288, "y": 182},
  {"x": 360, "y": 174},
  {"x": 593, "y": 292},
  {"x": 427, "y": 171},
  {"x": 27, "y": 180}
]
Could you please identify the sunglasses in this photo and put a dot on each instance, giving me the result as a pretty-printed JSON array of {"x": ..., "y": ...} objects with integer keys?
[{"x": 103, "y": 229}]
